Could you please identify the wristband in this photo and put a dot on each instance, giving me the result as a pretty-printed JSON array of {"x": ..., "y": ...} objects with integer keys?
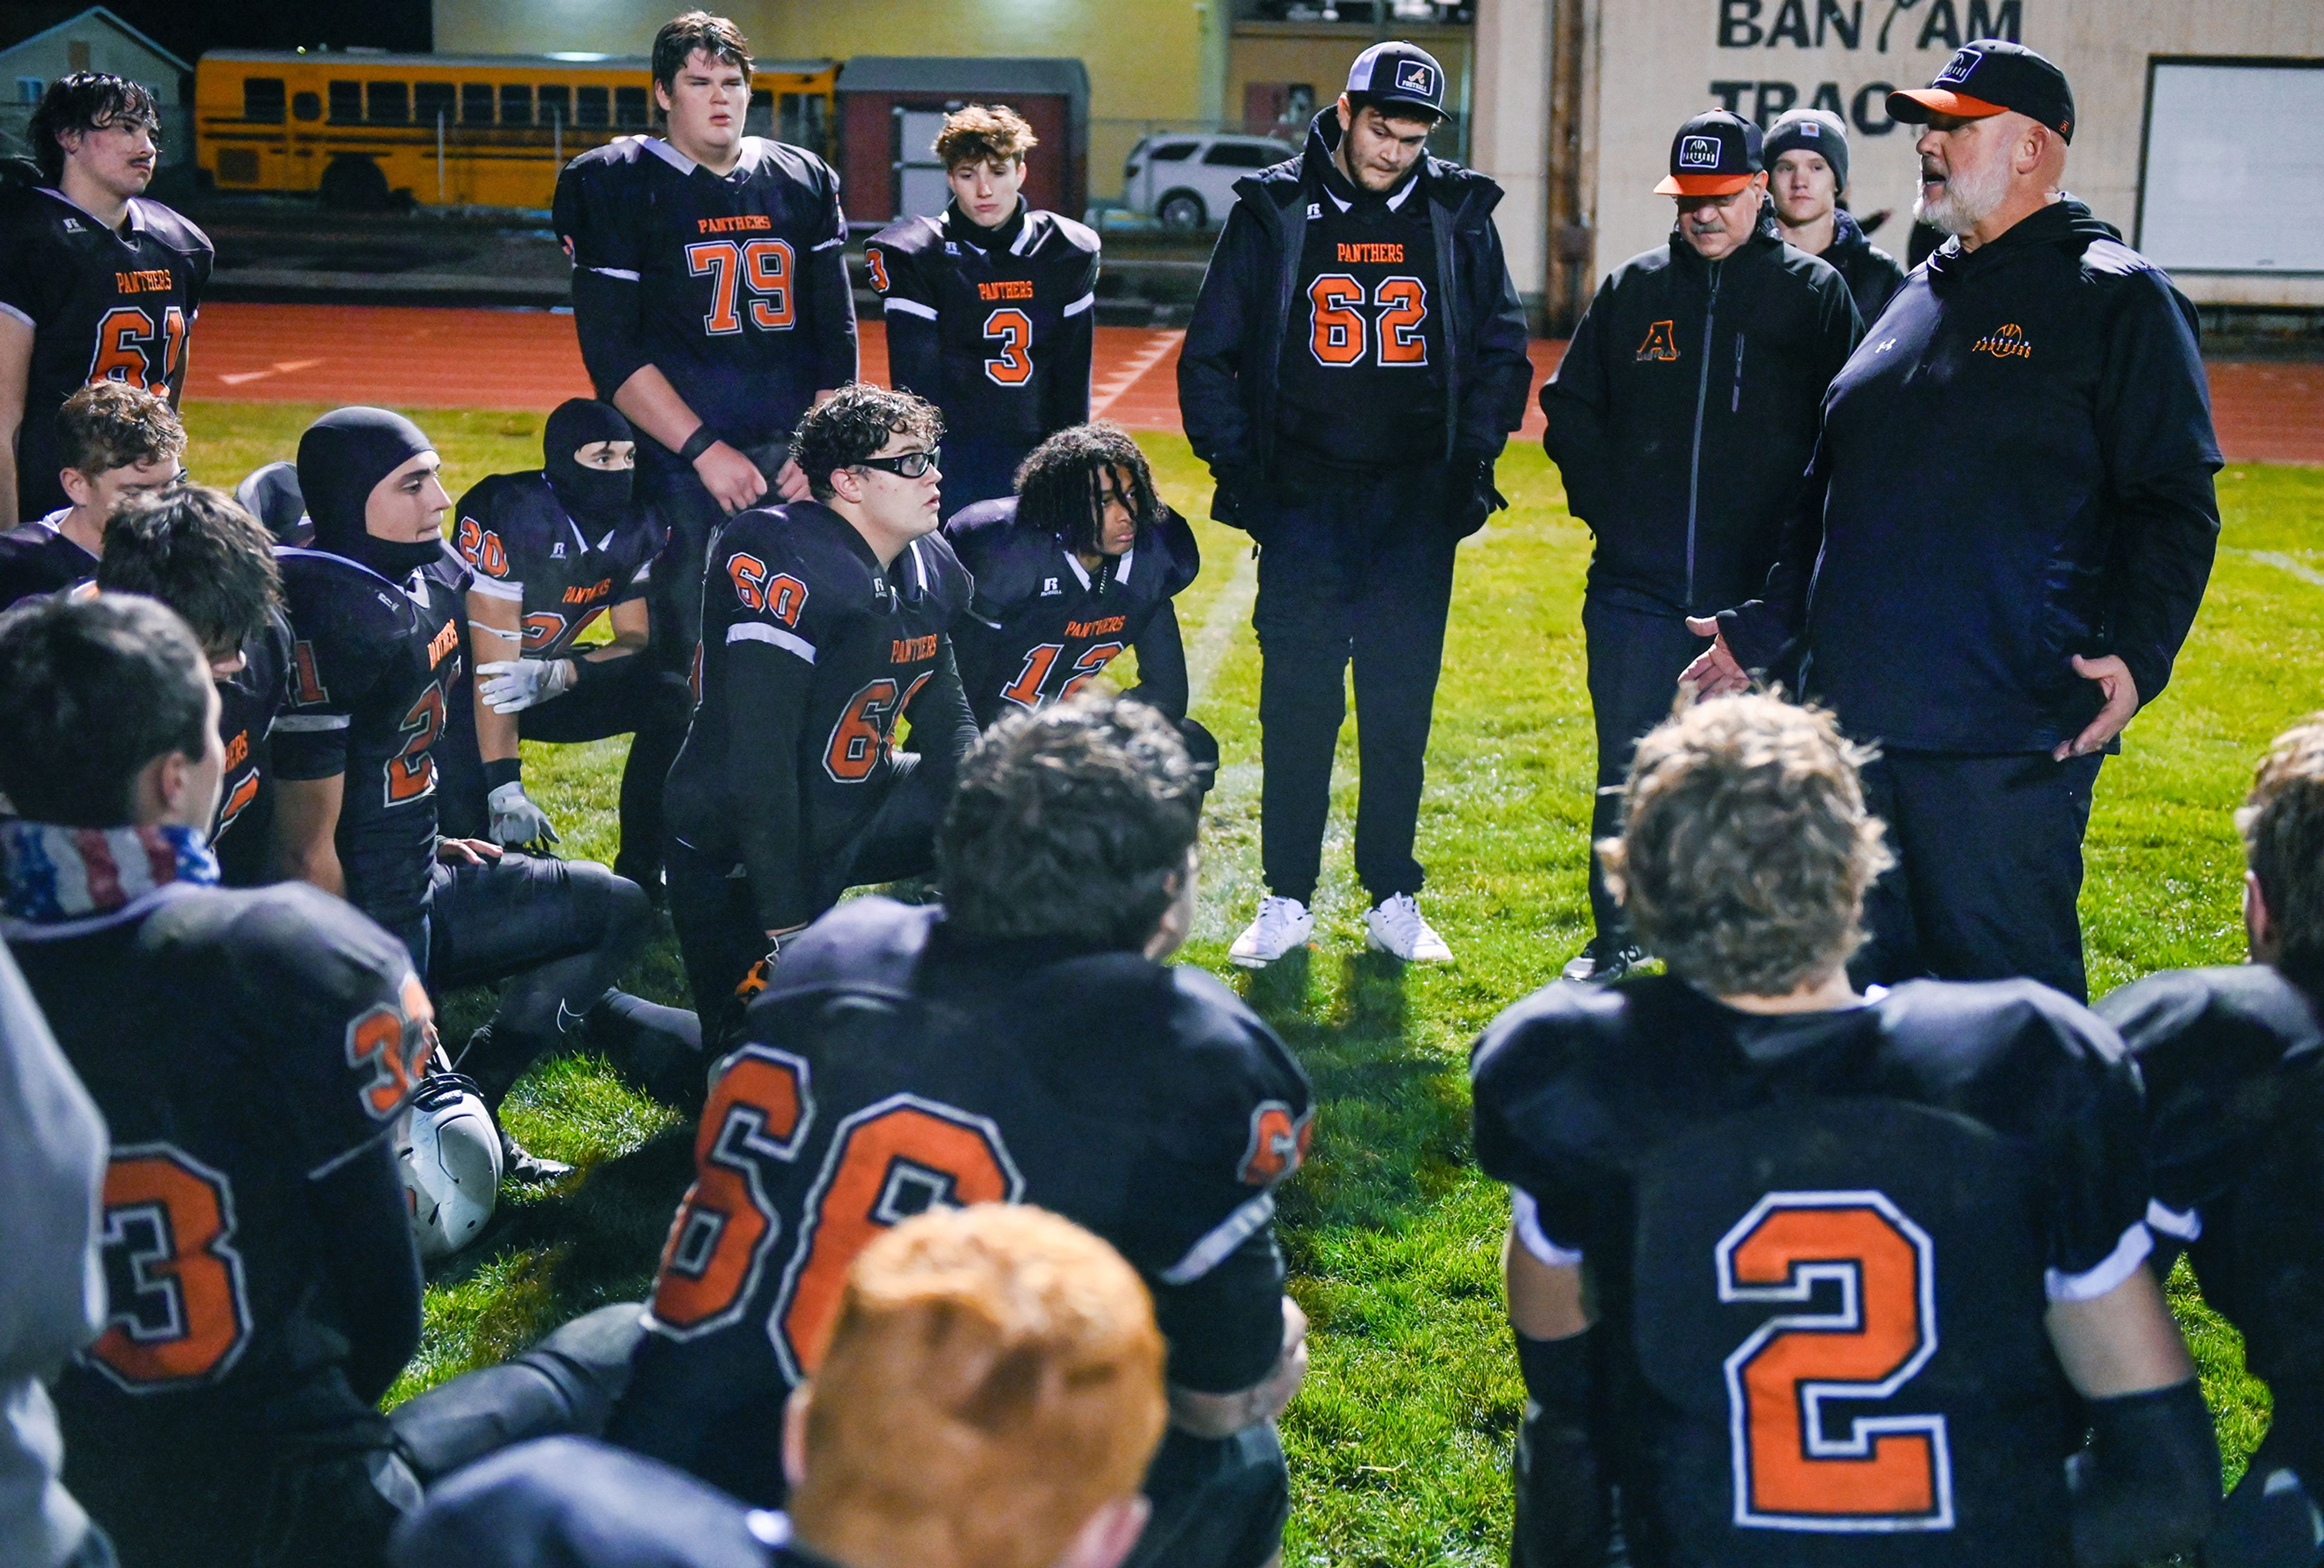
[
  {"x": 506, "y": 771},
  {"x": 701, "y": 441},
  {"x": 586, "y": 671}
]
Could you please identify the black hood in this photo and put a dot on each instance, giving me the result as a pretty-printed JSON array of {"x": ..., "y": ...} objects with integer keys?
[
  {"x": 1318, "y": 160},
  {"x": 2066, "y": 224},
  {"x": 597, "y": 496},
  {"x": 342, "y": 459}
]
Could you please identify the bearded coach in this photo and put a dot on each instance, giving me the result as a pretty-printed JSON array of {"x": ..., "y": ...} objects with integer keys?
[
  {"x": 1355, "y": 363},
  {"x": 2009, "y": 528}
]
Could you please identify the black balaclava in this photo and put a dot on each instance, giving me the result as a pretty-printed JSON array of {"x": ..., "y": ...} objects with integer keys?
[
  {"x": 342, "y": 459},
  {"x": 599, "y": 497}
]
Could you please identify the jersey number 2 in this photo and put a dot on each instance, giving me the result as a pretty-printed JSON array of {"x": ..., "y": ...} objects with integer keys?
[
  {"x": 133, "y": 347},
  {"x": 179, "y": 1312},
  {"x": 761, "y": 266},
  {"x": 1792, "y": 1470}
]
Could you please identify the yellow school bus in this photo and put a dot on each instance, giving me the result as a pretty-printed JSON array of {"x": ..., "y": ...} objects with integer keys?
[{"x": 363, "y": 131}]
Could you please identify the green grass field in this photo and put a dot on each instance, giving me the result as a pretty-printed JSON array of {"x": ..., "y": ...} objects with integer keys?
[{"x": 1399, "y": 1441}]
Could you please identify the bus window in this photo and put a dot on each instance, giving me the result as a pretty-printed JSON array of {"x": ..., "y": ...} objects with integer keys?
[
  {"x": 347, "y": 103},
  {"x": 306, "y": 107},
  {"x": 630, "y": 108},
  {"x": 432, "y": 102},
  {"x": 390, "y": 103},
  {"x": 803, "y": 120},
  {"x": 555, "y": 105},
  {"x": 261, "y": 99},
  {"x": 475, "y": 102},
  {"x": 516, "y": 104},
  {"x": 759, "y": 119},
  {"x": 592, "y": 106}
]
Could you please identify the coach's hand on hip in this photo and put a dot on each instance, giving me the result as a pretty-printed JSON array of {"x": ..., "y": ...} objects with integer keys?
[{"x": 2121, "y": 692}]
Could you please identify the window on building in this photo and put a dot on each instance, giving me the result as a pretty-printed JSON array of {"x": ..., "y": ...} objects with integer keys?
[
  {"x": 630, "y": 108},
  {"x": 592, "y": 106},
  {"x": 263, "y": 99},
  {"x": 555, "y": 105},
  {"x": 347, "y": 103},
  {"x": 434, "y": 101},
  {"x": 388, "y": 103},
  {"x": 516, "y": 104},
  {"x": 475, "y": 102},
  {"x": 805, "y": 120}
]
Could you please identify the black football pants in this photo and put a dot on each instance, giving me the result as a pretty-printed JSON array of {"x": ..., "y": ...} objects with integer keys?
[
  {"x": 1218, "y": 1503},
  {"x": 676, "y": 501},
  {"x": 1348, "y": 570},
  {"x": 1988, "y": 869},
  {"x": 1636, "y": 658}
]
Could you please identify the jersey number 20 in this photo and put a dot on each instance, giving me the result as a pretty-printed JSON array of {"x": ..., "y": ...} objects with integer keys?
[{"x": 1794, "y": 1468}]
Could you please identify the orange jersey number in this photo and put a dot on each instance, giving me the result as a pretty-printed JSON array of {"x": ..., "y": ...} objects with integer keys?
[
  {"x": 866, "y": 729},
  {"x": 1026, "y": 691},
  {"x": 132, "y": 347},
  {"x": 169, "y": 1230},
  {"x": 1794, "y": 1467},
  {"x": 761, "y": 266},
  {"x": 1013, "y": 330},
  {"x": 725, "y": 1227},
  {"x": 1339, "y": 334},
  {"x": 412, "y": 772}
]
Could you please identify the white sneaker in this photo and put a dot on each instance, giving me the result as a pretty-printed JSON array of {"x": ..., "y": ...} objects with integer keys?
[
  {"x": 1280, "y": 925},
  {"x": 1396, "y": 926}
]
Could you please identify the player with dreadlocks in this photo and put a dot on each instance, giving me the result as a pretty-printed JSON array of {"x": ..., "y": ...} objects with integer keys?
[{"x": 1081, "y": 563}]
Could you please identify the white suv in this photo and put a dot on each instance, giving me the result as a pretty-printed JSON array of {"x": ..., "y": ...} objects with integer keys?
[{"x": 1188, "y": 181}]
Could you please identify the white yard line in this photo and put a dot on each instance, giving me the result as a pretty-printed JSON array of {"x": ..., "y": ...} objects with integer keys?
[
  {"x": 1230, "y": 610},
  {"x": 2282, "y": 562}
]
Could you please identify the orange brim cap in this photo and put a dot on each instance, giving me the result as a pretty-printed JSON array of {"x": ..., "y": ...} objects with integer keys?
[
  {"x": 1701, "y": 184},
  {"x": 1940, "y": 101}
]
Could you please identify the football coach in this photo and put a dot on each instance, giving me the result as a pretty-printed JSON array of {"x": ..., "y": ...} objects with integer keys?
[
  {"x": 2009, "y": 528},
  {"x": 1355, "y": 364}
]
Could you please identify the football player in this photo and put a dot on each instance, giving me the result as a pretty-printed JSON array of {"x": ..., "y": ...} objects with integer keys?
[
  {"x": 989, "y": 307},
  {"x": 97, "y": 283},
  {"x": 202, "y": 554},
  {"x": 992, "y": 1392},
  {"x": 376, "y": 609},
  {"x": 114, "y": 442},
  {"x": 2234, "y": 1064},
  {"x": 711, "y": 294},
  {"x": 825, "y": 623},
  {"x": 1807, "y": 1278},
  {"x": 1024, "y": 1044},
  {"x": 250, "y": 1052},
  {"x": 550, "y": 553},
  {"x": 1081, "y": 563}
]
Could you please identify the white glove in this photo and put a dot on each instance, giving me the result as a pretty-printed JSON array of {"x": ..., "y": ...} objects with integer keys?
[
  {"x": 513, "y": 685},
  {"x": 516, "y": 820}
]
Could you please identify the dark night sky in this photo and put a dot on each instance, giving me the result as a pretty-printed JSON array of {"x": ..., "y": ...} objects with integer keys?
[{"x": 188, "y": 27}]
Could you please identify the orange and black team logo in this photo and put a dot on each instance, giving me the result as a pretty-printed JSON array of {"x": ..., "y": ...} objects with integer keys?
[
  {"x": 2007, "y": 341},
  {"x": 1278, "y": 1143},
  {"x": 1662, "y": 342}
]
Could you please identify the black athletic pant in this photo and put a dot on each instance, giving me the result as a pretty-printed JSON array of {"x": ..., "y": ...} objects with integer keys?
[
  {"x": 1636, "y": 658},
  {"x": 1218, "y": 1502},
  {"x": 676, "y": 501},
  {"x": 1988, "y": 868},
  {"x": 719, "y": 936},
  {"x": 1356, "y": 570}
]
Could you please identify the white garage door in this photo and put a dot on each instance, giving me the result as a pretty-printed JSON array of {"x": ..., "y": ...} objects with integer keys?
[{"x": 2233, "y": 177}]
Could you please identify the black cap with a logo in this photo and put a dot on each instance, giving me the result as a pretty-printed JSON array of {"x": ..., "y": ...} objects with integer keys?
[
  {"x": 1713, "y": 154},
  {"x": 1399, "y": 73},
  {"x": 1991, "y": 77}
]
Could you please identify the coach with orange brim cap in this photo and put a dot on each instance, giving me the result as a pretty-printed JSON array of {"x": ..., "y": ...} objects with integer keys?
[
  {"x": 2007, "y": 530},
  {"x": 1681, "y": 418}
]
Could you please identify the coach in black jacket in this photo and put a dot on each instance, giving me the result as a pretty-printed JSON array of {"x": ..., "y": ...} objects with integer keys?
[
  {"x": 1681, "y": 418},
  {"x": 1356, "y": 361},
  {"x": 2008, "y": 529}
]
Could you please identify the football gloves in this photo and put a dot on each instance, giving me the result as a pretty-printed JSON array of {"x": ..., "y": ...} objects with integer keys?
[
  {"x": 513, "y": 685},
  {"x": 516, "y": 820}
]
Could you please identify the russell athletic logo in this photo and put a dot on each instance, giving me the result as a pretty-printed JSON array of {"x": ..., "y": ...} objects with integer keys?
[
  {"x": 2004, "y": 342},
  {"x": 1411, "y": 76},
  {"x": 1699, "y": 153}
]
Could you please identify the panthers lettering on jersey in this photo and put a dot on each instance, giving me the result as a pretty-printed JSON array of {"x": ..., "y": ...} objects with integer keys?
[
  {"x": 1824, "y": 1244},
  {"x": 992, "y": 327},
  {"x": 889, "y": 1068},
  {"x": 102, "y": 304},
  {"x": 36, "y": 559},
  {"x": 1043, "y": 624},
  {"x": 372, "y": 670},
  {"x": 249, "y": 702},
  {"x": 741, "y": 293},
  {"x": 523, "y": 548}
]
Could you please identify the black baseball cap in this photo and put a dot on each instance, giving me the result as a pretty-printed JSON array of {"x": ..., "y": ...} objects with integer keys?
[
  {"x": 1991, "y": 77},
  {"x": 1399, "y": 73},
  {"x": 1713, "y": 154}
]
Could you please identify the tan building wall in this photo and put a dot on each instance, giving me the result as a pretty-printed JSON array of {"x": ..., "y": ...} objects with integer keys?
[{"x": 1320, "y": 54}]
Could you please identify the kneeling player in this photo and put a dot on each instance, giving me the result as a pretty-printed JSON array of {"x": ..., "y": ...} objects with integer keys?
[
  {"x": 252, "y": 1052},
  {"x": 1081, "y": 563},
  {"x": 115, "y": 441},
  {"x": 991, "y": 1394},
  {"x": 2234, "y": 1064},
  {"x": 199, "y": 553},
  {"x": 823, "y": 624},
  {"x": 551, "y": 551},
  {"x": 1781, "y": 1253},
  {"x": 376, "y": 608},
  {"x": 1023, "y": 1044}
]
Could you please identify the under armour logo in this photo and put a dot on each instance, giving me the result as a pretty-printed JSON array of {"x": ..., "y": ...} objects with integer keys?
[
  {"x": 1413, "y": 77},
  {"x": 1886, "y": 345},
  {"x": 1049, "y": 587},
  {"x": 1699, "y": 153}
]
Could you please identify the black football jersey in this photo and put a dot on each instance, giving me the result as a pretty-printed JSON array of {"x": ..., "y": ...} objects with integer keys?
[
  {"x": 522, "y": 546},
  {"x": 36, "y": 559},
  {"x": 891, "y": 1068},
  {"x": 249, "y": 702},
  {"x": 742, "y": 300},
  {"x": 102, "y": 304},
  {"x": 998, "y": 336},
  {"x": 1052, "y": 622},
  {"x": 372, "y": 670},
  {"x": 1823, "y": 1245},
  {"x": 2232, "y": 1060},
  {"x": 242, "y": 1045}
]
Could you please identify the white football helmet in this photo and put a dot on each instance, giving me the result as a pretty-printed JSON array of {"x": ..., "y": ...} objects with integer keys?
[{"x": 449, "y": 1153}]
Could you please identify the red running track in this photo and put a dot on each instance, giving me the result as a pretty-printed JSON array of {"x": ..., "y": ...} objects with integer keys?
[{"x": 423, "y": 357}]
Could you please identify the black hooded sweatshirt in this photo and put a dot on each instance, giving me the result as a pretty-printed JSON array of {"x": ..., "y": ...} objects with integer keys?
[
  {"x": 1873, "y": 275},
  {"x": 1684, "y": 411},
  {"x": 2015, "y": 468}
]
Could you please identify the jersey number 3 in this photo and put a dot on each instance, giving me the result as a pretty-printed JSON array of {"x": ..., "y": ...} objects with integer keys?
[
  {"x": 179, "y": 1313},
  {"x": 1793, "y": 1470}
]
